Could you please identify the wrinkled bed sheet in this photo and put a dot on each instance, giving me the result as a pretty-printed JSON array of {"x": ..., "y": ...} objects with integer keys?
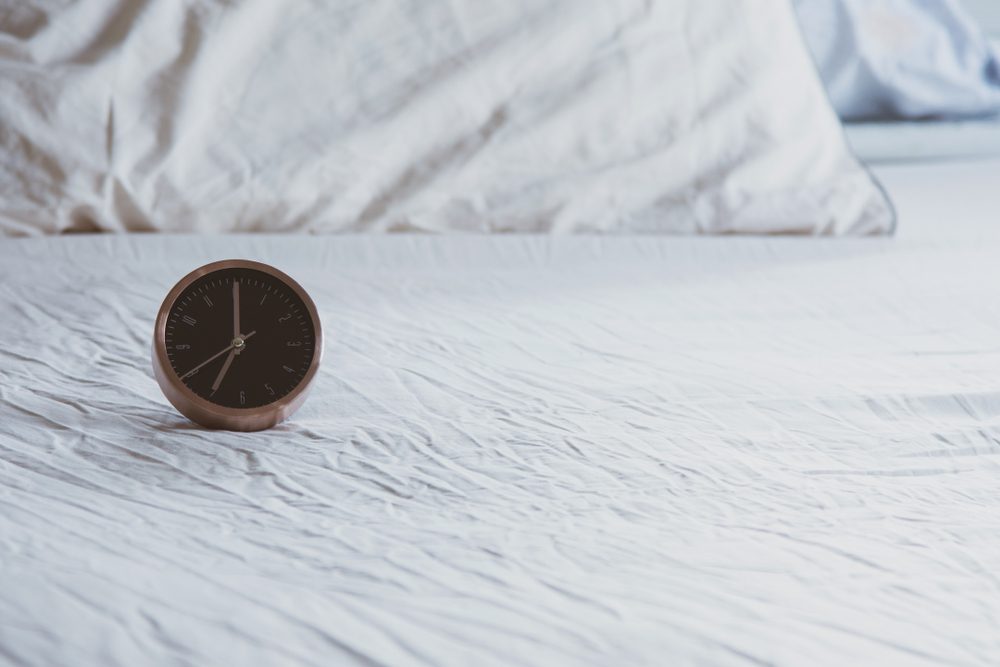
[{"x": 520, "y": 450}]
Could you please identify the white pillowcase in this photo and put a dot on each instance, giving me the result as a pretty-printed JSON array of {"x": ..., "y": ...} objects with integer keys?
[
  {"x": 386, "y": 115},
  {"x": 889, "y": 59}
]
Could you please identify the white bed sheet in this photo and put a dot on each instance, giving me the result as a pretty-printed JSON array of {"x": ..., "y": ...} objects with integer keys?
[
  {"x": 945, "y": 200},
  {"x": 520, "y": 450},
  {"x": 926, "y": 141}
]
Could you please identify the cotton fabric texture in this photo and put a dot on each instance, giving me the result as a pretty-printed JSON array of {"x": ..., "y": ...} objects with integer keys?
[
  {"x": 893, "y": 59},
  {"x": 528, "y": 116},
  {"x": 520, "y": 450}
]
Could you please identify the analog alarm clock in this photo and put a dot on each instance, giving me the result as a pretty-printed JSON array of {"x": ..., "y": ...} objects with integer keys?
[{"x": 236, "y": 345}]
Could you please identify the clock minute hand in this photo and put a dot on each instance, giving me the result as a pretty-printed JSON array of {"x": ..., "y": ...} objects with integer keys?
[
  {"x": 236, "y": 308},
  {"x": 214, "y": 357}
]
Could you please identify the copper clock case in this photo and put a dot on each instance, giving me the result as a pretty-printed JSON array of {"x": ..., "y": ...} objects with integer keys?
[{"x": 209, "y": 414}]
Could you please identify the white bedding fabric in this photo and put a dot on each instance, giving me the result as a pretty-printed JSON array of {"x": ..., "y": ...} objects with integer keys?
[
  {"x": 927, "y": 141},
  {"x": 953, "y": 200},
  {"x": 524, "y": 115},
  {"x": 891, "y": 59},
  {"x": 520, "y": 450}
]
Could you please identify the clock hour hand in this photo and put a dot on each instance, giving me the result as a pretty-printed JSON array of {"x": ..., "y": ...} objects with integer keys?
[
  {"x": 225, "y": 369},
  {"x": 217, "y": 355}
]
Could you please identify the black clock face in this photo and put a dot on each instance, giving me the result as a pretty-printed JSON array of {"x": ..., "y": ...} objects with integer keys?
[{"x": 240, "y": 338}]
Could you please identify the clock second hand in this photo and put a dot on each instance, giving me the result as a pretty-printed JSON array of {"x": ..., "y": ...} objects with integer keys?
[{"x": 215, "y": 356}]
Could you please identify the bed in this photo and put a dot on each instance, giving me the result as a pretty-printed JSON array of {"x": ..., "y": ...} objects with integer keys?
[
  {"x": 944, "y": 200},
  {"x": 520, "y": 450},
  {"x": 614, "y": 448}
]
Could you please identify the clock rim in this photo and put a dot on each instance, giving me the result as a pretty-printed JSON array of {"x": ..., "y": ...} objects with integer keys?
[{"x": 212, "y": 415}]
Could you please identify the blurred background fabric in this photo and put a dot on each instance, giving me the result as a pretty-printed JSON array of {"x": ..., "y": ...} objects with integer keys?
[
  {"x": 915, "y": 81},
  {"x": 885, "y": 59},
  {"x": 618, "y": 116}
]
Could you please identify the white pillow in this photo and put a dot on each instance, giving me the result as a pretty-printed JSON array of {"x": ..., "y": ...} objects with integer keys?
[
  {"x": 890, "y": 59},
  {"x": 385, "y": 115}
]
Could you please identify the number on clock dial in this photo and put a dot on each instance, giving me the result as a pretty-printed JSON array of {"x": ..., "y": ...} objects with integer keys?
[{"x": 271, "y": 363}]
